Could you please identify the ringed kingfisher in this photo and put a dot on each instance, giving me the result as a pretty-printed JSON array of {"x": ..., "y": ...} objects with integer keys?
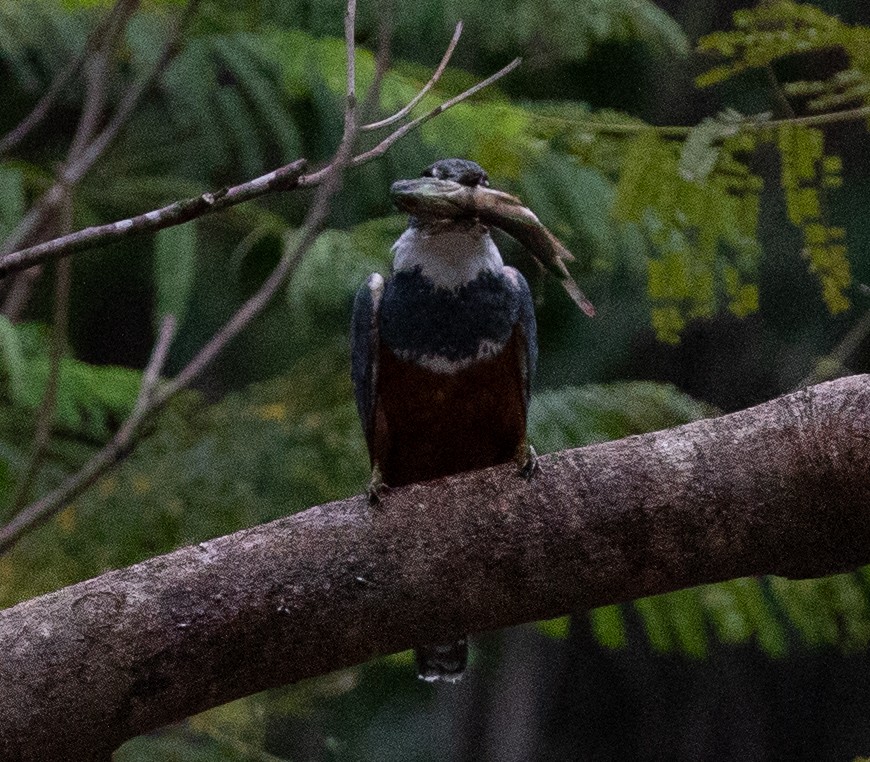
[{"x": 443, "y": 352}]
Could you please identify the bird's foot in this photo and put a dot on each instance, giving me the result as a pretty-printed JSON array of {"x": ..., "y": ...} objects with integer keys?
[
  {"x": 529, "y": 466},
  {"x": 376, "y": 489}
]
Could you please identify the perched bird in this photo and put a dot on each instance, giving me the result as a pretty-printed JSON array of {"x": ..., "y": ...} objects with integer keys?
[{"x": 443, "y": 353}]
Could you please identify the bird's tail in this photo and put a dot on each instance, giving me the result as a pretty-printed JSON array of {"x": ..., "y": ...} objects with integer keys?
[{"x": 445, "y": 662}]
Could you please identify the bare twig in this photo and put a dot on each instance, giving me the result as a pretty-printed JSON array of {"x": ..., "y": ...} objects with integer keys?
[
  {"x": 97, "y": 70},
  {"x": 74, "y": 171},
  {"x": 113, "y": 452},
  {"x": 79, "y": 163},
  {"x": 285, "y": 178},
  {"x": 382, "y": 58},
  {"x": 426, "y": 88},
  {"x": 45, "y": 414},
  {"x": 381, "y": 148}
]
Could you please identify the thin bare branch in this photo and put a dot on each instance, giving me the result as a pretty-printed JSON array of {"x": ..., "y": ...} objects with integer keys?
[
  {"x": 315, "y": 178},
  {"x": 401, "y": 113},
  {"x": 381, "y": 148},
  {"x": 382, "y": 57},
  {"x": 45, "y": 414},
  {"x": 284, "y": 178},
  {"x": 112, "y": 453},
  {"x": 350, "y": 47}
]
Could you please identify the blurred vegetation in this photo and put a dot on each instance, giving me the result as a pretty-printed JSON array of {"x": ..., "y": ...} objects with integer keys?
[{"x": 678, "y": 230}]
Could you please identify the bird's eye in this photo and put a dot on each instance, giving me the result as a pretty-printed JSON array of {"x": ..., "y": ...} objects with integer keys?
[{"x": 485, "y": 183}]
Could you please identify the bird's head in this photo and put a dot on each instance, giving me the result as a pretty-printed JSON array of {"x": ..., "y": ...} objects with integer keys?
[
  {"x": 460, "y": 171},
  {"x": 430, "y": 207}
]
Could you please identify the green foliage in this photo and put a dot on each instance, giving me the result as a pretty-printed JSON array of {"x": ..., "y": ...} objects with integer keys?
[
  {"x": 774, "y": 612},
  {"x": 704, "y": 233},
  {"x": 203, "y": 471},
  {"x": 260, "y": 83},
  {"x": 89, "y": 398},
  {"x": 577, "y": 416},
  {"x": 572, "y": 28},
  {"x": 333, "y": 269},
  {"x": 774, "y": 30},
  {"x": 36, "y": 38},
  {"x": 90, "y": 401},
  {"x": 701, "y": 149},
  {"x": 806, "y": 173}
]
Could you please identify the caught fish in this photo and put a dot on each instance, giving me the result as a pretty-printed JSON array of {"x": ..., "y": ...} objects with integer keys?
[{"x": 429, "y": 197}]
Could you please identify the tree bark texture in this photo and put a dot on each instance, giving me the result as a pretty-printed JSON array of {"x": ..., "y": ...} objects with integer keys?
[{"x": 781, "y": 488}]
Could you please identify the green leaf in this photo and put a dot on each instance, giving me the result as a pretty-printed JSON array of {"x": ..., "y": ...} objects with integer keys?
[
  {"x": 608, "y": 626},
  {"x": 174, "y": 269},
  {"x": 701, "y": 148},
  {"x": 555, "y": 628},
  {"x": 655, "y": 620}
]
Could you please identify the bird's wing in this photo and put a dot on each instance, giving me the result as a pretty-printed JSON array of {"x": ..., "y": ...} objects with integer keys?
[
  {"x": 528, "y": 330},
  {"x": 364, "y": 351}
]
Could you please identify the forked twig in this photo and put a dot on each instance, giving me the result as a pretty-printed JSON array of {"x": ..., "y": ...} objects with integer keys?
[
  {"x": 448, "y": 54},
  {"x": 81, "y": 158},
  {"x": 59, "y": 84},
  {"x": 288, "y": 177}
]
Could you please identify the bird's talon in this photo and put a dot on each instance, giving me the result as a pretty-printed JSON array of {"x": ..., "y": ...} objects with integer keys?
[
  {"x": 530, "y": 466},
  {"x": 376, "y": 489}
]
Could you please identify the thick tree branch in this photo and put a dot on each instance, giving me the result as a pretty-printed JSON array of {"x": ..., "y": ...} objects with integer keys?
[{"x": 781, "y": 488}]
